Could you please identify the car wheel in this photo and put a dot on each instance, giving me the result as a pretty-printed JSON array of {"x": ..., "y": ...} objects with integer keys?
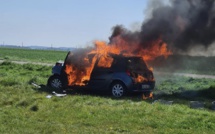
[
  {"x": 55, "y": 82},
  {"x": 118, "y": 89}
]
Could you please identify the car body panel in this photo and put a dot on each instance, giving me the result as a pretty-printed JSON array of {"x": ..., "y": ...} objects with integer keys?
[{"x": 102, "y": 77}]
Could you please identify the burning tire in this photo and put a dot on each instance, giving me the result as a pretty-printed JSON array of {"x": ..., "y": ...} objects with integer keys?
[
  {"x": 55, "y": 82},
  {"x": 118, "y": 89}
]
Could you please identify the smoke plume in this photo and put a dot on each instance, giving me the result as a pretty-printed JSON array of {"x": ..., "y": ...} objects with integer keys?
[{"x": 182, "y": 24}]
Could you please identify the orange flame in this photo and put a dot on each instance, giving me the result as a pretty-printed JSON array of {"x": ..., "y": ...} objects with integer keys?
[
  {"x": 140, "y": 79},
  {"x": 117, "y": 46}
]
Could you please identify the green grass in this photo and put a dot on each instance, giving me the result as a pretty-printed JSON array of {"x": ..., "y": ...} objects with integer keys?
[
  {"x": 178, "y": 83},
  {"x": 25, "y": 109},
  {"x": 182, "y": 90},
  {"x": 47, "y": 56}
]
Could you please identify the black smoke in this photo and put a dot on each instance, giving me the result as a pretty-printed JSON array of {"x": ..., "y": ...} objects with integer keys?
[{"x": 182, "y": 24}]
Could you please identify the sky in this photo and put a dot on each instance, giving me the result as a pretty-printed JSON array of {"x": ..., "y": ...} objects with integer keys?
[{"x": 65, "y": 23}]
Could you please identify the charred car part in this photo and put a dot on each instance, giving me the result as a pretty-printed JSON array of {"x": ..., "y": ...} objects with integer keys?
[{"x": 114, "y": 73}]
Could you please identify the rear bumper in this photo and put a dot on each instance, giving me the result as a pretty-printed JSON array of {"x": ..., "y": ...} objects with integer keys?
[{"x": 143, "y": 87}]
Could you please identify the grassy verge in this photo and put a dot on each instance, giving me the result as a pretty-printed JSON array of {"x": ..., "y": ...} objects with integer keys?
[{"x": 25, "y": 109}]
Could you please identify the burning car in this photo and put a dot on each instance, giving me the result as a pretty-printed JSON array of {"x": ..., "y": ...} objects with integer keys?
[{"x": 115, "y": 73}]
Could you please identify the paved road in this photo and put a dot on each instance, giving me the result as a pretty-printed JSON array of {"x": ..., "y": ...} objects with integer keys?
[{"x": 156, "y": 73}]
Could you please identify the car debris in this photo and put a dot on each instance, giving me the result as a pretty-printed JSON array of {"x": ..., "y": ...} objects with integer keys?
[
  {"x": 58, "y": 95},
  {"x": 36, "y": 85},
  {"x": 48, "y": 96}
]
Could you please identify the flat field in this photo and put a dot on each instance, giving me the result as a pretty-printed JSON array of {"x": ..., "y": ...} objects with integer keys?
[
  {"x": 46, "y": 56},
  {"x": 25, "y": 108}
]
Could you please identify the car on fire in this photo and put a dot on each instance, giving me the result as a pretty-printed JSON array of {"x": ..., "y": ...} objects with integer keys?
[{"x": 125, "y": 74}]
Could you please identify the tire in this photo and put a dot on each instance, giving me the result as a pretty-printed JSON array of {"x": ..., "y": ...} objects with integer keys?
[
  {"x": 55, "y": 82},
  {"x": 118, "y": 89}
]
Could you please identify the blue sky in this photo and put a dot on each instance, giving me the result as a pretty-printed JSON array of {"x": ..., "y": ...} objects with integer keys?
[{"x": 65, "y": 23}]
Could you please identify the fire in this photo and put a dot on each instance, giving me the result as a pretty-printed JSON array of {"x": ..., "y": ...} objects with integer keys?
[
  {"x": 76, "y": 75},
  {"x": 119, "y": 46},
  {"x": 105, "y": 62},
  {"x": 158, "y": 48},
  {"x": 79, "y": 75},
  {"x": 140, "y": 79}
]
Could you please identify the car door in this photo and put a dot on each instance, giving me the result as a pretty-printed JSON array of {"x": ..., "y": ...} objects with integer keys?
[{"x": 101, "y": 74}]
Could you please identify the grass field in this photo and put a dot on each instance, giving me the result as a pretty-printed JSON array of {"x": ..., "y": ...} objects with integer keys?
[
  {"x": 25, "y": 108},
  {"x": 46, "y": 56}
]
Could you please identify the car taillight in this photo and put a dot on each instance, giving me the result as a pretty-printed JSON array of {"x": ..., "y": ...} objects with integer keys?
[{"x": 128, "y": 72}]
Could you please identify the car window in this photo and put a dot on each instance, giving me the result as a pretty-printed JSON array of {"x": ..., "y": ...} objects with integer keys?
[
  {"x": 119, "y": 64},
  {"x": 105, "y": 62}
]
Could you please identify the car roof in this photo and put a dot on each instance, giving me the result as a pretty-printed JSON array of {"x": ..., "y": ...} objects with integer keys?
[{"x": 122, "y": 56}]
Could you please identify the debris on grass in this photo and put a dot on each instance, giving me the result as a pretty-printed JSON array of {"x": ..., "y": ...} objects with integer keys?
[
  {"x": 48, "y": 96},
  {"x": 58, "y": 95},
  {"x": 34, "y": 84}
]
